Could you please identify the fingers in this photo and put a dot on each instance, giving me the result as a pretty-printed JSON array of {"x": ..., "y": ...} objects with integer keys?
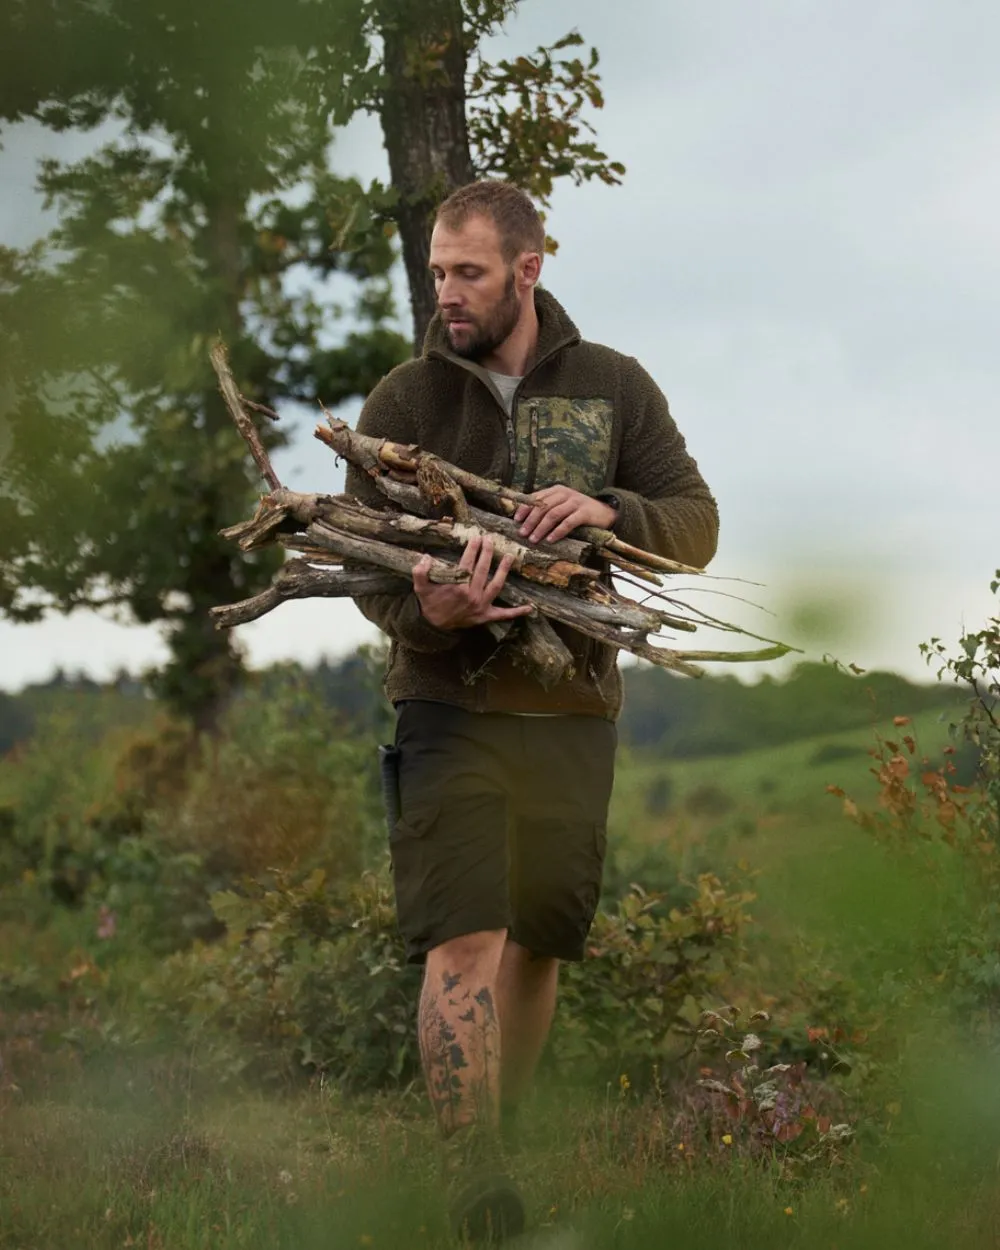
[
  {"x": 471, "y": 553},
  {"x": 552, "y": 519},
  {"x": 483, "y": 559},
  {"x": 552, "y": 506},
  {"x": 568, "y": 525},
  {"x": 493, "y": 613},
  {"x": 529, "y": 515},
  {"x": 462, "y": 606},
  {"x": 421, "y": 575},
  {"x": 496, "y": 582},
  {"x": 532, "y": 519},
  {"x": 544, "y": 498}
]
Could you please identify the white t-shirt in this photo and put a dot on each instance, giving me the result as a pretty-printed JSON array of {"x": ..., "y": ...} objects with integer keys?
[{"x": 506, "y": 385}]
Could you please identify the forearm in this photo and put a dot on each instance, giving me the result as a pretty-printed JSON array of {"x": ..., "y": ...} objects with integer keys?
[
  {"x": 664, "y": 503},
  {"x": 399, "y": 617}
]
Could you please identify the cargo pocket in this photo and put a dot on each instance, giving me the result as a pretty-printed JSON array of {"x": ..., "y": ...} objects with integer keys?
[
  {"x": 414, "y": 823},
  {"x": 411, "y": 866}
]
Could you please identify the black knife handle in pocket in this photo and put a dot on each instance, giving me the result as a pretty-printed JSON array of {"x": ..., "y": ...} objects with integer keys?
[{"x": 388, "y": 769}]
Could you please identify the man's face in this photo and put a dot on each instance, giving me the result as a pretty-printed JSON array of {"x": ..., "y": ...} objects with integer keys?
[{"x": 477, "y": 290}]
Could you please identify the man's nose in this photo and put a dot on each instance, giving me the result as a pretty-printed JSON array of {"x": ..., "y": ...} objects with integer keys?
[{"x": 448, "y": 294}]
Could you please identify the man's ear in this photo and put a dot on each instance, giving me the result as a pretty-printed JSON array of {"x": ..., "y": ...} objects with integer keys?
[{"x": 530, "y": 267}]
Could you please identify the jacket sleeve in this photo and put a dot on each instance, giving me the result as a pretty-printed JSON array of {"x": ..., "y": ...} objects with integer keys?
[
  {"x": 665, "y": 504},
  {"x": 399, "y": 616}
]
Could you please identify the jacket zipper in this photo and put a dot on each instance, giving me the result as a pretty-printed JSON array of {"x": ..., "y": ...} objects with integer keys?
[
  {"x": 529, "y": 481},
  {"x": 511, "y": 440}
]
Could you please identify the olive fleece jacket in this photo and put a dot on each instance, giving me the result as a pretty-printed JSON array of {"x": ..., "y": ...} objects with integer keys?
[{"x": 583, "y": 415}]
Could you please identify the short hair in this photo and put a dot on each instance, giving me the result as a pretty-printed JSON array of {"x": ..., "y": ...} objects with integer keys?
[{"x": 517, "y": 220}]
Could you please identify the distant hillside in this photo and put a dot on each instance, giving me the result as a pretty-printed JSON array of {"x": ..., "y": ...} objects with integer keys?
[
  {"x": 665, "y": 714},
  {"x": 721, "y": 716}
]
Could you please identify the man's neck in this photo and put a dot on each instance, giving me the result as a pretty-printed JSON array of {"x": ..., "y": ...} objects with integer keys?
[{"x": 516, "y": 353}]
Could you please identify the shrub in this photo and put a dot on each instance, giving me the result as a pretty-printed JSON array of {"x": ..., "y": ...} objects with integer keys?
[
  {"x": 935, "y": 815},
  {"x": 311, "y": 979},
  {"x": 150, "y": 823},
  {"x": 626, "y": 1007},
  {"x": 773, "y": 1109},
  {"x": 305, "y": 980},
  {"x": 279, "y": 787}
]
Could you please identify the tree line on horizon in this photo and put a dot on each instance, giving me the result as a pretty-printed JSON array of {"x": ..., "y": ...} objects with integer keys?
[{"x": 673, "y": 716}]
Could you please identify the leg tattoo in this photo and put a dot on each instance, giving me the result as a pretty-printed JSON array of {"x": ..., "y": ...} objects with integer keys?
[{"x": 460, "y": 1051}]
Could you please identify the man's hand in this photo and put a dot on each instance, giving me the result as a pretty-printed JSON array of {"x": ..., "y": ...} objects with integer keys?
[
  {"x": 471, "y": 603},
  {"x": 559, "y": 511}
]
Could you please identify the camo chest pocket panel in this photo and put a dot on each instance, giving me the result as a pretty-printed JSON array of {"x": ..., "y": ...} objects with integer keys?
[{"x": 571, "y": 442}]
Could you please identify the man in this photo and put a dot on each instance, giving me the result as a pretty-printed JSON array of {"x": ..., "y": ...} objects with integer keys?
[{"x": 504, "y": 786}]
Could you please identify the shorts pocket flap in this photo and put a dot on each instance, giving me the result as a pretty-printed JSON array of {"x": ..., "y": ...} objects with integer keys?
[{"x": 416, "y": 820}]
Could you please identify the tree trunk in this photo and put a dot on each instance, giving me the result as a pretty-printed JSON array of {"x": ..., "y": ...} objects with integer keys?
[
  {"x": 423, "y": 122},
  {"x": 206, "y": 667}
]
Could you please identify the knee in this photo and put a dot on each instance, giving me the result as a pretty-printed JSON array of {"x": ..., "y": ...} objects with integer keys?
[
  {"x": 471, "y": 953},
  {"x": 530, "y": 968}
]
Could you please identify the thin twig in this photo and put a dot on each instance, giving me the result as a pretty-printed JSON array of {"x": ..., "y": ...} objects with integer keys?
[
  {"x": 233, "y": 400},
  {"x": 262, "y": 408}
]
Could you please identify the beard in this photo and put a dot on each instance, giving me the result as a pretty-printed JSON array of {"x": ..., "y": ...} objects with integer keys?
[{"x": 490, "y": 331}]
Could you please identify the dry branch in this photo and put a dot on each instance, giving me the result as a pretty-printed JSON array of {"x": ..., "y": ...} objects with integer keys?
[{"x": 298, "y": 580}]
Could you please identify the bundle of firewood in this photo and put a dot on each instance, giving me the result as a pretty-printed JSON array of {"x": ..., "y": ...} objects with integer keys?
[{"x": 346, "y": 548}]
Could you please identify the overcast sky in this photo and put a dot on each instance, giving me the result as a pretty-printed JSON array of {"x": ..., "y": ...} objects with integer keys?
[{"x": 806, "y": 255}]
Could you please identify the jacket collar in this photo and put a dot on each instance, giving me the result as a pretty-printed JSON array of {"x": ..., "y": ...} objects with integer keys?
[{"x": 555, "y": 331}]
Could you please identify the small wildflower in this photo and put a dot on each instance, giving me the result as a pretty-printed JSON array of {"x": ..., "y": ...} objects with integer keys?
[
  {"x": 628, "y": 1213},
  {"x": 727, "y": 1139},
  {"x": 107, "y": 923},
  {"x": 789, "y": 1210},
  {"x": 624, "y": 1082},
  {"x": 842, "y": 1206},
  {"x": 285, "y": 1176},
  {"x": 680, "y": 1145},
  {"x": 862, "y": 1189},
  {"x": 553, "y": 1210}
]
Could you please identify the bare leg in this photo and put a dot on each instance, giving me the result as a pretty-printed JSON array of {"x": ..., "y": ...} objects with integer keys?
[
  {"x": 526, "y": 997},
  {"x": 460, "y": 1031}
]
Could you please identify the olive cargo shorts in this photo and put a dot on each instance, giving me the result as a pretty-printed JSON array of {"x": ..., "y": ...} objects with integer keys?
[{"x": 503, "y": 826}]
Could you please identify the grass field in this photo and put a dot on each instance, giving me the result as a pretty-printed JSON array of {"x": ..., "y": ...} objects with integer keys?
[
  {"x": 139, "y": 1150},
  {"x": 125, "y": 1165}
]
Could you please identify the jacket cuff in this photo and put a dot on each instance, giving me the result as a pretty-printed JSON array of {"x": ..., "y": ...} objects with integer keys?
[
  {"x": 415, "y": 631},
  {"x": 630, "y": 523}
]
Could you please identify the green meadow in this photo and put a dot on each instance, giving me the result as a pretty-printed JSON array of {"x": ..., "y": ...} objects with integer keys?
[{"x": 238, "y": 1073}]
